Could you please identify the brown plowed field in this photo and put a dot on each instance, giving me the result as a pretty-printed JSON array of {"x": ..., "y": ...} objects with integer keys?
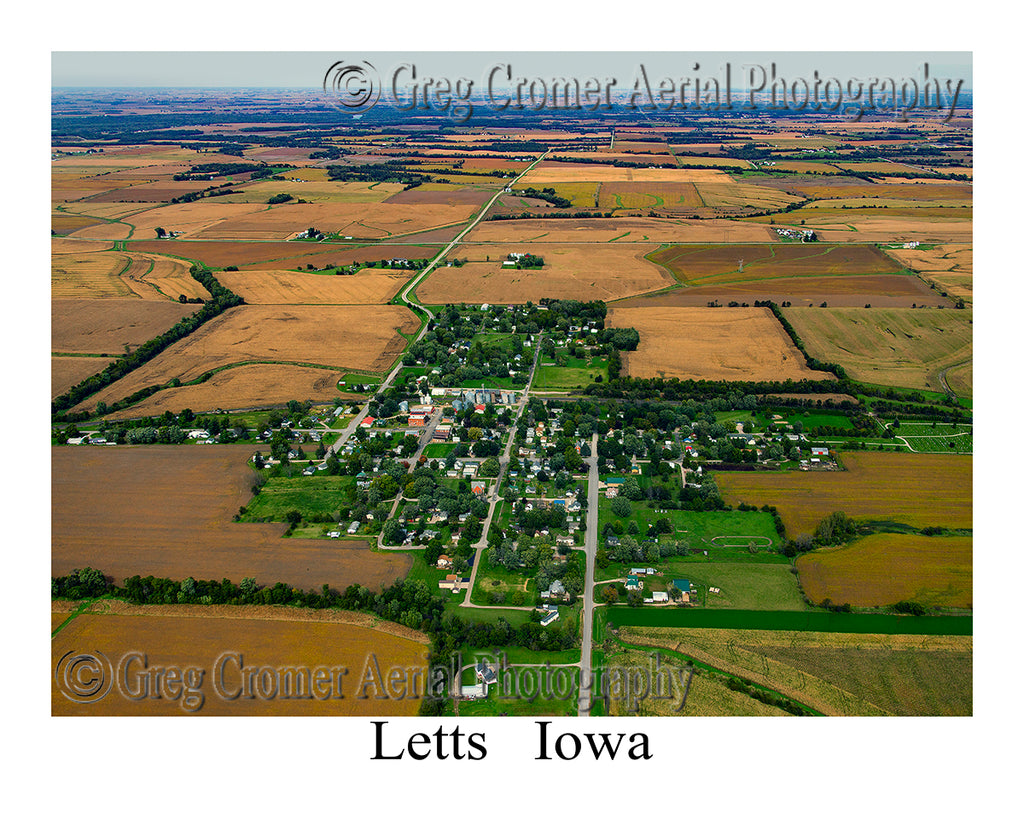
[
  {"x": 66, "y": 371},
  {"x": 242, "y": 387},
  {"x": 368, "y": 286},
  {"x": 452, "y": 195},
  {"x": 348, "y": 336},
  {"x": 571, "y": 271},
  {"x": 166, "y": 511},
  {"x": 919, "y": 490},
  {"x": 107, "y": 325},
  {"x": 743, "y": 344},
  {"x": 264, "y": 637},
  {"x": 836, "y": 291},
  {"x": 717, "y": 264}
]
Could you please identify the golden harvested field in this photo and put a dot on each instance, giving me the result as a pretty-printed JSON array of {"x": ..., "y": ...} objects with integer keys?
[
  {"x": 349, "y": 336},
  {"x": 104, "y": 230},
  {"x": 60, "y": 246},
  {"x": 961, "y": 378},
  {"x": 728, "y": 194},
  {"x": 118, "y": 275},
  {"x": 882, "y": 569},
  {"x": 570, "y": 271},
  {"x": 949, "y": 266},
  {"x": 836, "y": 291},
  {"x": 66, "y": 371},
  {"x": 547, "y": 173},
  {"x": 262, "y": 637},
  {"x": 109, "y": 325},
  {"x": 918, "y": 490},
  {"x": 89, "y": 275},
  {"x": 368, "y": 286},
  {"x": 621, "y": 229},
  {"x": 190, "y": 218},
  {"x": 369, "y": 220},
  {"x": 702, "y": 161},
  {"x": 716, "y": 264},
  {"x": 107, "y": 210},
  {"x": 165, "y": 277},
  {"x": 836, "y": 674},
  {"x": 891, "y": 346},
  {"x": 741, "y": 344},
  {"x": 166, "y": 511},
  {"x": 244, "y": 387}
]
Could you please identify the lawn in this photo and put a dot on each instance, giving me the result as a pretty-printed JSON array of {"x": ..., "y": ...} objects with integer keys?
[
  {"x": 576, "y": 374},
  {"x": 308, "y": 495},
  {"x": 760, "y": 586},
  {"x": 700, "y": 529}
]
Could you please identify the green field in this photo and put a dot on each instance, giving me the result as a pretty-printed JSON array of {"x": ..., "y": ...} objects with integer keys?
[
  {"x": 438, "y": 450},
  {"x": 309, "y": 495},
  {"x": 766, "y": 586},
  {"x": 700, "y": 529},
  {"x": 575, "y": 375},
  {"x": 789, "y": 621}
]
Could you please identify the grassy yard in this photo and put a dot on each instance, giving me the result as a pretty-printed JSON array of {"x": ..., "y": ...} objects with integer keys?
[
  {"x": 308, "y": 495},
  {"x": 576, "y": 374}
]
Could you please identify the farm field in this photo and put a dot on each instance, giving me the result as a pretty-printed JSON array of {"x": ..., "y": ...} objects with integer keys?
[
  {"x": 276, "y": 334},
  {"x": 243, "y": 387},
  {"x": 836, "y": 674},
  {"x": 547, "y": 173},
  {"x": 882, "y": 569},
  {"x": 884, "y": 225},
  {"x": 66, "y": 371},
  {"x": 700, "y": 265},
  {"x": 949, "y": 266},
  {"x": 280, "y": 255},
  {"x": 743, "y": 344},
  {"x": 708, "y": 695},
  {"x": 110, "y": 325},
  {"x": 836, "y": 291},
  {"x": 316, "y": 192},
  {"x": 570, "y": 271},
  {"x": 894, "y": 347},
  {"x": 166, "y": 511},
  {"x": 95, "y": 275},
  {"x": 264, "y": 636},
  {"x": 935, "y": 490},
  {"x": 620, "y": 230},
  {"x": 368, "y": 286}
]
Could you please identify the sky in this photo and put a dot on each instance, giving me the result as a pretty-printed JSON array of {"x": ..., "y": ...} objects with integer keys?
[{"x": 306, "y": 69}]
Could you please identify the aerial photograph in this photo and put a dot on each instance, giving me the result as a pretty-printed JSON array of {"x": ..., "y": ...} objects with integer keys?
[{"x": 530, "y": 385}]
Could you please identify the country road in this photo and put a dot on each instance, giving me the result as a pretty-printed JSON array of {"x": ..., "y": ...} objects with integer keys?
[{"x": 590, "y": 541}]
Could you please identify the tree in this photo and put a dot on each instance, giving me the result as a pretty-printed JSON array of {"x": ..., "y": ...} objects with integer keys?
[
  {"x": 621, "y": 506},
  {"x": 490, "y": 468},
  {"x": 160, "y": 233}
]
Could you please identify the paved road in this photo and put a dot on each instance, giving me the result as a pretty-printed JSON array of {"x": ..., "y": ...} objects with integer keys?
[{"x": 590, "y": 544}]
